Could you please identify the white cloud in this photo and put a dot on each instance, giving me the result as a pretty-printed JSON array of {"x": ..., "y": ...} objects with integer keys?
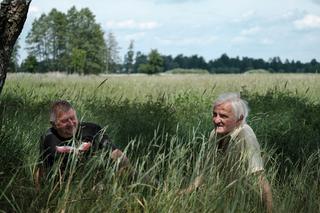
[
  {"x": 239, "y": 40},
  {"x": 267, "y": 41},
  {"x": 188, "y": 40},
  {"x": 316, "y": 1},
  {"x": 34, "y": 9},
  {"x": 246, "y": 35},
  {"x": 245, "y": 16},
  {"x": 291, "y": 15},
  {"x": 132, "y": 24},
  {"x": 254, "y": 43},
  {"x": 134, "y": 36},
  {"x": 308, "y": 22},
  {"x": 250, "y": 31}
]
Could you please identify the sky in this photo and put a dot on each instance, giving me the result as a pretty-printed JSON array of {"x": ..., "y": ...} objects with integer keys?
[{"x": 263, "y": 29}]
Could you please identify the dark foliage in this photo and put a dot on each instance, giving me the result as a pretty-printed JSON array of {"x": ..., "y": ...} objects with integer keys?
[{"x": 286, "y": 122}]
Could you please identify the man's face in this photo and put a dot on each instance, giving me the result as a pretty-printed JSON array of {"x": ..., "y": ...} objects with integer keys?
[
  {"x": 66, "y": 123},
  {"x": 224, "y": 119}
]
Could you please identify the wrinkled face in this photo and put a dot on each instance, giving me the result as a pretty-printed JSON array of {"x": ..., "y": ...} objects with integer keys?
[
  {"x": 224, "y": 119},
  {"x": 66, "y": 123}
]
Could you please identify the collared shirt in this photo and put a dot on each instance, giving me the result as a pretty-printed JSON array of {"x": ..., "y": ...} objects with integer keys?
[{"x": 240, "y": 145}]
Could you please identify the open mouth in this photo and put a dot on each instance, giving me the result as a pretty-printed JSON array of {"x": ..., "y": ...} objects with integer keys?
[{"x": 219, "y": 125}]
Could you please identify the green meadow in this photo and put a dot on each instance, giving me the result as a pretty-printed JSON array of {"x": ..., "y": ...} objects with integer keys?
[{"x": 162, "y": 122}]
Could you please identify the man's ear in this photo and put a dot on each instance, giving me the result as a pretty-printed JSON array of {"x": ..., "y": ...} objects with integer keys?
[
  {"x": 241, "y": 118},
  {"x": 52, "y": 124}
]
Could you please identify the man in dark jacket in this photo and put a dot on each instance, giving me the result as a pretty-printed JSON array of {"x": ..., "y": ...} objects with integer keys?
[{"x": 67, "y": 136}]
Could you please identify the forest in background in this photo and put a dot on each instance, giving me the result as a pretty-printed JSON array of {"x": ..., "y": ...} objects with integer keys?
[{"x": 73, "y": 42}]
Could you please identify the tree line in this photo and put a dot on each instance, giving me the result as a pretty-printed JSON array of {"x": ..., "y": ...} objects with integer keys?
[{"x": 73, "y": 42}]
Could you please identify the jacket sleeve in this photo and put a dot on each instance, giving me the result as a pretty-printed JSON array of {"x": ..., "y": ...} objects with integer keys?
[
  {"x": 47, "y": 150},
  {"x": 94, "y": 133}
]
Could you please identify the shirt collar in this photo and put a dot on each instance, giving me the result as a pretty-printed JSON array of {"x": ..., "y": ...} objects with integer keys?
[{"x": 234, "y": 133}]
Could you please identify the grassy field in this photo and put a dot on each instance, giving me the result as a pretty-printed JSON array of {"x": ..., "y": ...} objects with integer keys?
[
  {"x": 163, "y": 123},
  {"x": 141, "y": 86}
]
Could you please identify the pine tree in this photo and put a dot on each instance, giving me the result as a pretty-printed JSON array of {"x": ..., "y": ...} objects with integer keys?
[
  {"x": 128, "y": 59},
  {"x": 112, "y": 55}
]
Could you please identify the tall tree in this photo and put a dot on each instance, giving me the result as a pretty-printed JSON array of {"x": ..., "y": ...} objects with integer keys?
[
  {"x": 168, "y": 63},
  {"x": 46, "y": 39},
  {"x": 30, "y": 64},
  {"x": 38, "y": 39},
  {"x": 13, "y": 66},
  {"x": 13, "y": 14},
  {"x": 112, "y": 56},
  {"x": 86, "y": 35},
  {"x": 154, "y": 65},
  {"x": 57, "y": 22},
  {"x": 197, "y": 62},
  {"x": 181, "y": 60},
  {"x": 58, "y": 38},
  {"x": 139, "y": 59},
  {"x": 128, "y": 58},
  {"x": 78, "y": 58},
  {"x": 275, "y": 63}
]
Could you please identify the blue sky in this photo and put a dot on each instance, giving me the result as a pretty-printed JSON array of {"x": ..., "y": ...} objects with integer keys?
[{"x": 259, "y": 29}]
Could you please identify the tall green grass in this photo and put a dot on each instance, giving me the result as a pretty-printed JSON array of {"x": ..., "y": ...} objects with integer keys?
[{"x": 162, "y": 123}]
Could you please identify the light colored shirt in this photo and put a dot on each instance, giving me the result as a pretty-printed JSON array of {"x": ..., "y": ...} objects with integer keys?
[{"x": 242, "y": 143}]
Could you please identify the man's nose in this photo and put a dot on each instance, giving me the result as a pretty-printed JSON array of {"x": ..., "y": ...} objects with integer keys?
[
  {"x": 216, "y": 119},
  {"x": 70, "y": 121}
]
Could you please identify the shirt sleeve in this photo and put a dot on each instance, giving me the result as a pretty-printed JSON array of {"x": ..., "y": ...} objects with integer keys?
[
  {"x": 106, "y": 143},
  {"x": 255, "y": 162},
  {"x": 98, "y": 136}
]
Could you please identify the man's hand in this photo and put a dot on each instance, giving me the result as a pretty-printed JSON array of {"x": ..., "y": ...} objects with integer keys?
[
  {"x": 64, "y": 149},
  {"x": 85, "y": 146},
  {"x": 198, "y": 181},
  {"x": 266, "y": 193},
  {"x": 118, "y": 154}
]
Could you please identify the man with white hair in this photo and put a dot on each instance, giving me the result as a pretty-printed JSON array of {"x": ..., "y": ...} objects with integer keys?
[
  {"x": 237, "y": 148},
  {"x": 237, "y": 142}
]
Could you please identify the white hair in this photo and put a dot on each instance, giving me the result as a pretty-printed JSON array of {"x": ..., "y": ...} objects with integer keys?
[{"x": 239, "y": 106}]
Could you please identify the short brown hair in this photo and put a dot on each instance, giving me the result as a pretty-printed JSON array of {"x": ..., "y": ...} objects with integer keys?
[{"x": 58, "y": 106}]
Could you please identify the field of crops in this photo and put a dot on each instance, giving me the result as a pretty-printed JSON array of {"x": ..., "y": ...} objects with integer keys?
[{"x": 163, "y": 123}]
